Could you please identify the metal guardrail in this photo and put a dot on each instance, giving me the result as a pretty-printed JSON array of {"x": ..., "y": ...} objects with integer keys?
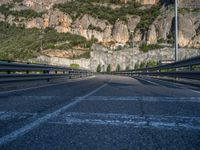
[
  {"x": 180, "y": 69},
  {"x": 16, "y": 71}
]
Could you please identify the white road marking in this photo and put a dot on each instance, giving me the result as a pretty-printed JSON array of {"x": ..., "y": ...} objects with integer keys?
[
  {"x": 144, "y": 98},
  {"x": 11, "y": 115},
  {"x": 21, "y": 131},
  {"x": 42, "y": 86},
  {"x": 194, "y": 91},
  {"x": 148, "y": 121},
  {"x": 177, "y": 85}
]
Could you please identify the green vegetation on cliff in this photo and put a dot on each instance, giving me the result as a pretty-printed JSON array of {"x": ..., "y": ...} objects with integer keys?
[
  {"x": 145, "y": 48},
  {"x": 27, "y": 13},
  {"x": 21, "y": 43}
]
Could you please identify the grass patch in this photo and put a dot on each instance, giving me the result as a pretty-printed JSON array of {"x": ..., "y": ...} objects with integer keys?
[
  {"x": 74, "y": 66},
  {"x": 145, "y": 48}
]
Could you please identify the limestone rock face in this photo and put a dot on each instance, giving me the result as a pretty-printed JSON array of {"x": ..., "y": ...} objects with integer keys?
[
  {"x": 161, "y": 27},
  {"x": 152, "y": 35},
  {"x": 195, "y": 42},
  {"x": 147, "y": 2},
  {"x": 2, "y": 17},
  {"x": 120, "y": 32},
  {"x": 60, "y": 21},
  {"x": 186, "y": 30},
  {"x": 90, "y": 27},
  {"x": 55, "y": 19},
  {"x": 35, "y": 23},
  {"x": 137, "y": 37},
  {"x": 132, "y": 22}
]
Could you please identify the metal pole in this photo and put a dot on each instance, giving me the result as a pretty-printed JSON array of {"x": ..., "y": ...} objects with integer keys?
[{"x": 176, "y": 30}]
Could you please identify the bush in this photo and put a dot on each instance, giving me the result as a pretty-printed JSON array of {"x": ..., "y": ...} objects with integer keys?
[
  {"x": 145, "y": 48},
  {"x": 152, "y": 63},
  {"x": 108, "y": 68},
  {"x": 143, "y": 65},
  {"x": 99, "y": 68},
  {"x": 127, "y": 68},
  {"x": 118, "y": 68},
  {"x": 137, "y": 66},
  {"x": 74, "y": 66}
]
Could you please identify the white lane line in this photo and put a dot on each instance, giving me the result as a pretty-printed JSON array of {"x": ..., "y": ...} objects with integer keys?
[
  {"x": 149, "y": 81},
  {"x": 21, "y": 131},
  {"x": 177, "y": 85},
  {"x": 42, "y": 86},
  {"x": 162, "y": 82},
  {"x": 145, "y": 99},
  {"x": 194, "y": 91},
  {"x": 13, "y": 115},
  {"x": 149, "y": 121}
]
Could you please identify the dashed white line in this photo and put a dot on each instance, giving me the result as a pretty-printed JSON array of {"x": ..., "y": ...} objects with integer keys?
[
  {"x": 195, "y": 91},
  {"x": 21, "y": 131}
]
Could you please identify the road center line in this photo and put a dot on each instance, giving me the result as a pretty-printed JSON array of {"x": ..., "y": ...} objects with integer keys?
[{"x": 21, "y": 131}]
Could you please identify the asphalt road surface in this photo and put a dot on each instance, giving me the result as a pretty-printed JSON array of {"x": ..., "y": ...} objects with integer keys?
[{"x": 101, "y": 113}]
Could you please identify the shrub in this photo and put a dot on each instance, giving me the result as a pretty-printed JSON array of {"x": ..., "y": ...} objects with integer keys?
[
  {"x": 108, "y": 68},
  {"x": 127, "y": 68},
  {"x": 145, "y": 48},
  {"x": 137, "y": 66},
  {"x": 74, "y": 66},
  {"x": 99, "y": 68},
  {"x": 118, "y": 68},
  {"x": 143, "y": 65}
]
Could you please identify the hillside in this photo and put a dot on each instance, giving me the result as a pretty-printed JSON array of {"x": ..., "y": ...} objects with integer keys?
[{"x": 76, "y": 29}]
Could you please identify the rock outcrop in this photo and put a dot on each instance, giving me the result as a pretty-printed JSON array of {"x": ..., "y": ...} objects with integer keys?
[
  {"x": 120, "y": 32},
  {"x": 55, "y": 19},
  {"x": 90, "y": 27}
]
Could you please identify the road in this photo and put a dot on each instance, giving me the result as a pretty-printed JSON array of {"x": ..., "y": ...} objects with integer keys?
[{"x": 101, "y": 113}]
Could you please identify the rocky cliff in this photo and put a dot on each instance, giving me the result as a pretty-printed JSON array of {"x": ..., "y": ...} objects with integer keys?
[{"x": 114, "y": 25}]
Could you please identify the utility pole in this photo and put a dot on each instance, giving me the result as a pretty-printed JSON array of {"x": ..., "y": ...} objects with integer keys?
[{"x": 176, "y": 30}]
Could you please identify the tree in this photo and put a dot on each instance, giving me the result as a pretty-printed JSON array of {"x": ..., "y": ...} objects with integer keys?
[
  {"x": 136, "y": 66},
  {"x": 127, "y": 68},
  {"x": 118, "y": 68},
  {"x": 108, "y": 68},
  {"x": 143, "y": 65},
  {"x": 99, "y": 68}
]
